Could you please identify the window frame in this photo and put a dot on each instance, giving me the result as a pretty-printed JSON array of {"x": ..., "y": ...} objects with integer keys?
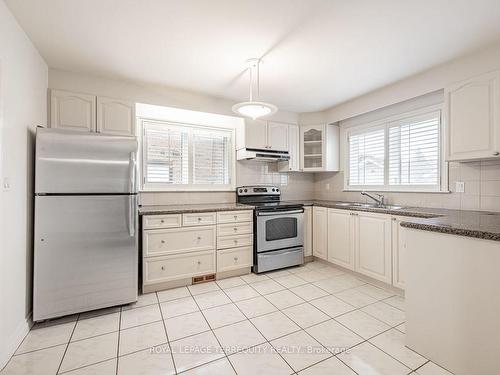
[
  {"x": 190, "y": 187},
  {"x": 386, "y": 123}
]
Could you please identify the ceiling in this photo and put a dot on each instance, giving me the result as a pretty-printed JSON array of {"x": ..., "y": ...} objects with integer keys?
[{"x": 316, "y": 53}]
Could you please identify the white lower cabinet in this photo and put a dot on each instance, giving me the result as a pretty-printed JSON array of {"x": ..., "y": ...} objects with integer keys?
[
  {"x": 369, "y": 243},
  {"x": 340, "y": 238},
  {"x": 177, "y": 247},
  {"x": 398, "y": 253},
  {"x": 232, "y": 259},
  {"x": 308, "y": 231},
  {"x": 320, "y": 232},
  {"x": 372, "y": 243},
  {"x": 178, "y": 266}
]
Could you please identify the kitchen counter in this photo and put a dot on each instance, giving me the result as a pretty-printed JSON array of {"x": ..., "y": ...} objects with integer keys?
[
  {"x": 191, "y": 208},
  {"x": 477, "y": 224}
]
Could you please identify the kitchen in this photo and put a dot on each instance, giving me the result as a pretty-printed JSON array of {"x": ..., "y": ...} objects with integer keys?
[{"x": 259, "y": 203}]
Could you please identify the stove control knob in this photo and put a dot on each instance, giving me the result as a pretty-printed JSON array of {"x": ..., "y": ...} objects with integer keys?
[
  {"x": 246, "y": 190},
  {"x": 274, "y": 189},
  {"x": 277, "y": 190},
  {"x": 241, "y": 190}
]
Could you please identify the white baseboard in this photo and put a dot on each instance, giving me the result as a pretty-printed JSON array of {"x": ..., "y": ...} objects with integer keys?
[{"x": 11, "y": 344}]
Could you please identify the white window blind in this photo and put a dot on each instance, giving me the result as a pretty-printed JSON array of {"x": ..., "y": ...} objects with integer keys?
[
  {"x": 366, "y": 158},
  {"x": 414, "y": 151},
  {"x": 397, "y": 154},
  {"x": 186, "y": 157},
  {"x": 211, "y": 158},
  {"x": 166, "y": 154}
]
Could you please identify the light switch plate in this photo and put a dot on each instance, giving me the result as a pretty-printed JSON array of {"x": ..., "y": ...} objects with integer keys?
[{"x": 460, "y": 187}]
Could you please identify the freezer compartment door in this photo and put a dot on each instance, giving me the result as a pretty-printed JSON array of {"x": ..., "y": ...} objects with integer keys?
[
  {"x": 69, "y": 162},
  {"x": 86, "y": 254}
]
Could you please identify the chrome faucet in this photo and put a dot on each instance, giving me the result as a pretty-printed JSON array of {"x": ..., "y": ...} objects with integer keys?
[{"x": 380, "y": 201}]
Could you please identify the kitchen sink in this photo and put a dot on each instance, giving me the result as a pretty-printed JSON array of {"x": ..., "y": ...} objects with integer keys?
[{"x": 368, "y": 205}]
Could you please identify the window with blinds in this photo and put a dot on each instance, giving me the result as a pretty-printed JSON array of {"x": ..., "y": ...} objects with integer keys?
[
  {"x": 185, "y": 157},
  {"x": 367, "y": 158},
  {"x": 396, "y": 155},
  {"x": 414, "y": 151}
]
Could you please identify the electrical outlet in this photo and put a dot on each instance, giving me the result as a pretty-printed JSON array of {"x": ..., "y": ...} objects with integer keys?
[
  {"x": 6, "y": 184},
  {"x": 460, "y": 187}
]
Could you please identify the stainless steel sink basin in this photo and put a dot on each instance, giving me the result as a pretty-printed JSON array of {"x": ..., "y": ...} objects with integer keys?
[{"x": 368, "y": 205}]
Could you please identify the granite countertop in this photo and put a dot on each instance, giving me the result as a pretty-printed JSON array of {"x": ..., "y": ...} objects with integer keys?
[
  {"x": 191, "y": 208},
  {"x": 477, "y": 224}
]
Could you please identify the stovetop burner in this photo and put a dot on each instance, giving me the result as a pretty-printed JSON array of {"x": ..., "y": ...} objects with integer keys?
[{"x": 264, "y": 197}]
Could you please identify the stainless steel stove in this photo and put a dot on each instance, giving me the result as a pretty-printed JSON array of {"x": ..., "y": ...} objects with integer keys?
[{"x": 278, "y": 228}]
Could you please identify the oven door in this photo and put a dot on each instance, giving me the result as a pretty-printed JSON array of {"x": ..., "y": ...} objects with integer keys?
[{"x": 279, "y": 229}]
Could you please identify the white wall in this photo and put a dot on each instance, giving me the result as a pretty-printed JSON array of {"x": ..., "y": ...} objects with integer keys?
[
  {"x": 293, "y": 185},
  {"x": 148, "y": 94},
  {"x": 434, "y": 79},
  {"x": 482, "y": 179},
  {"x": 23, "y": 103}
]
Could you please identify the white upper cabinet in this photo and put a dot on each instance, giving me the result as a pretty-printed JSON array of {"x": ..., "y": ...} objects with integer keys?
[
  {"x": 320, "y": 148},
  {"x": 373, "y": 245},
  {"x": 115, "y": 116},
  {"x": 263, "y": 135},
  {"x": 277, "y": 136},
  {"x": 90, "y": 113},
  {"x": 472, "y": 118},
  {"x": 254, "y": 135},
  {"x": 72, "y": 111},
  {"x": 340, "y": 238},
  {"x": 292, "y": 165}
]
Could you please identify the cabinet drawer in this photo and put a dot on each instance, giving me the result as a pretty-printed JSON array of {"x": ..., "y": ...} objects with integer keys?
[
  {"x": 234, "y": 216},
  {"x": 168, "y": 241},
  {"x": 161, "y": 221},
  {"x": 234, "y": 241},
  {"x": 231, "y": 259},
  {"x": 178, "y": 266},
  {"x": 200, "y": 218},
  {"x": 233, "y": 229}
]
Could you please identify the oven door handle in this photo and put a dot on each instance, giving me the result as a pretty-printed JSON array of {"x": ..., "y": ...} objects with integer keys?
[{"x": 281, "y": 213}]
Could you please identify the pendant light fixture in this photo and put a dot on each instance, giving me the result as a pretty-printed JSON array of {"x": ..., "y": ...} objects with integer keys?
[{"x": 254, "y": 108}]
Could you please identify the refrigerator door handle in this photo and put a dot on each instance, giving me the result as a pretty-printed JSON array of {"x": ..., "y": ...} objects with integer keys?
[
  {"x": 132, "y": 172},
  {"x": 132, "y": 209}
]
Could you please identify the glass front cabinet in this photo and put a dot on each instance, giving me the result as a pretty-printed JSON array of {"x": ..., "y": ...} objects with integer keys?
[{"x": 319, "y": 148}]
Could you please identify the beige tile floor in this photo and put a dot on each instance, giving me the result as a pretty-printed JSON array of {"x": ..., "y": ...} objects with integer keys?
[{"x": 306, "y": 320}]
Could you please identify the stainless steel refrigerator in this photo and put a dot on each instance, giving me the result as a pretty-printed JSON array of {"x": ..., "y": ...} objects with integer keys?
[{"x": 86, "y": 247}]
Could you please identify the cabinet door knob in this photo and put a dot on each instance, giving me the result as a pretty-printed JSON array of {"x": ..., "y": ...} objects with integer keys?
[
  {"x": 163, "y": 268},
  {"x": 199, "y": 262},
  {"x": 162, "y": 241},
  {"x": 496, "y": 153},
  {"x": 235, "y": 217},
  {"x": 235, "y": 229},
  {"x": 199, "y": 219},
  {"x": 235, "y": 259},
  {"x": 199, "y": 238},
  {"x": 162, "y": 221}
]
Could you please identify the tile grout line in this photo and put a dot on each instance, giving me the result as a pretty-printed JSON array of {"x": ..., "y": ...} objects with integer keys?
[
  {"x": 119, "y": 339},
  {"x": 265, "y": 338},
  {"x": 67, "y": 345},
  {"x": 166, "y": 333},
  {"x": 211, "y": 330}
]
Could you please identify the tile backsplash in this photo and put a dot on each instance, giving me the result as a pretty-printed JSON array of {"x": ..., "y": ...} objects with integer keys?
[
  {"x": 482, "y": 189},
  {"x": 293, "y": 186}
]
